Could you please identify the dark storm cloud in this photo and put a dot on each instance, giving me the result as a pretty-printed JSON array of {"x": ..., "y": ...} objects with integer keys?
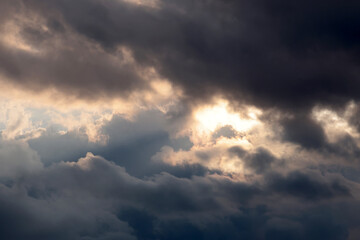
[
  {"x": 304, "y": 131},
  {"x": 96, "y": 199},
  {"x": 288, "y": 55},
  {"x": 79, "y": 72},
  {"x": 268, "y": 53},
  {"x": 310, "y": 135},
  {"x": 300, "y": 185},
  {"x": 259, "y": 161},
  {"x": 317, "y": 223},
  {"x": 56, "y": 57}
]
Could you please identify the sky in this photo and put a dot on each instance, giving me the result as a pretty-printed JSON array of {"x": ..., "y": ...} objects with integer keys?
[{"x": 179, "y": 119}]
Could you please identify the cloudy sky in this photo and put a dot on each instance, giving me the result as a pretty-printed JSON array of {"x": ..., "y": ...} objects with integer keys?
[{"x": 179, "y": 119}]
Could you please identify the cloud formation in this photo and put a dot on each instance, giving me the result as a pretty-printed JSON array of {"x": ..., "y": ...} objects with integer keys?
[
  {"x": 179, "y": 119},
  {"x": 167, "y": 207},
  {"x": 275, "y": 55}
]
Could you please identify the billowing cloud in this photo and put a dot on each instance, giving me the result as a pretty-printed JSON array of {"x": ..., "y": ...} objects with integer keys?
[
  {"x": 169, "y": 119},
  {"x": 17, "y": 159},
  {"x": 119, "y": 205},
  {"x": 268, "y": 54}
]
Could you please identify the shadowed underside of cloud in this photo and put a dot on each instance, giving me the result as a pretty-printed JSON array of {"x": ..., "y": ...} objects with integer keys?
[
  {"x": 292, "y": 54},
  {"x": 50, "y": 203},
  {"x": 130, "y": 196}
]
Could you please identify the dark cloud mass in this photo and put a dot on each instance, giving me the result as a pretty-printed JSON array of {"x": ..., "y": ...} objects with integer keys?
[
  {"x": 95, "y": 199},
  {"x": 270, "y": 54},
  {"x": 151, "y": 182},
  {"x": 304, "y": 131}
]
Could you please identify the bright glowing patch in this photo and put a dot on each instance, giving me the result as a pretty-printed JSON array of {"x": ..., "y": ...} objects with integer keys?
[
  {"x": 336, "y": 125},
  {"x": 144, "y": 3},
  {"x": 212, "y": 118}
]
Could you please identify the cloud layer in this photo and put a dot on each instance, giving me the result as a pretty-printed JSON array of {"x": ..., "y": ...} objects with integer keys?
[
  {"x": 169, "y": 119},
  {"x": 275, "y": 55}
]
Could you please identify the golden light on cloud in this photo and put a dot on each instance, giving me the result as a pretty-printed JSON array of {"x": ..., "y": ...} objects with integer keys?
[
  {"x": 214, "y": 117},
  {"x": 213, "y": 130},
  {"x": 20, "y": 107},
  {"x": 144, "y": 3},
  {"x": 336, "y": 125},
  {"x": 11, "y": 38}
]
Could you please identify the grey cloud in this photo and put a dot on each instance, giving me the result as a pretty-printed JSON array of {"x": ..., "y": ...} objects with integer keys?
[
  {"x": 226, "y": 131},
  {"x": 345, "y": 149},
  {"x": 259, "y": 161},
  {"x": 287, "y": 55},
  {"x": 95, "y": 199},
  {"x": 271, "y": 55},
  {"x": 75, "y": 71},
  {"x": 66, "y": 61},
  {"x": 17, "y": 159},
  {"x": 300, "y": 185},
  {"x": 130, "y": 144},
  {"x": 53, "y": 147},
  {"x": 304, "y": 131}
]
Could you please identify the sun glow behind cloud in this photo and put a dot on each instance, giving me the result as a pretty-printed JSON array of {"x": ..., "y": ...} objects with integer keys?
[
  {"x": 115, "y": 112},
  {"x": 210, "y": 118},
  {"x": 213, "y": 129},
  {"x": 144, "y": 3}
]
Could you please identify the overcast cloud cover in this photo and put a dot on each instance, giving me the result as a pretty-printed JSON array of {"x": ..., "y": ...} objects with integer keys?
[{"x": 179, "y": 119}]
